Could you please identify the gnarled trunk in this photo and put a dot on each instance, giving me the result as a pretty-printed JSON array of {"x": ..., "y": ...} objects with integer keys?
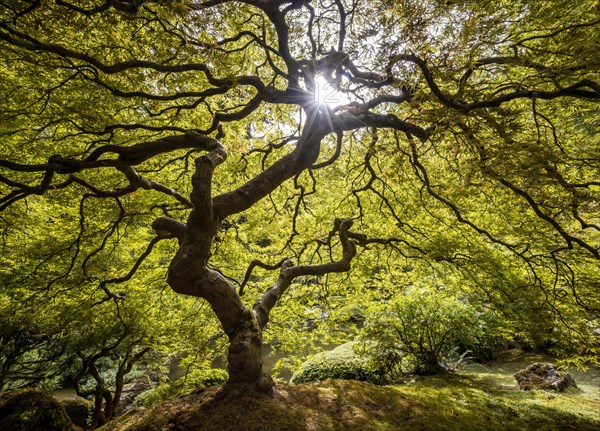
[
  {"x": 244, "y": 358},
  {"x": 189, "y": 273}
]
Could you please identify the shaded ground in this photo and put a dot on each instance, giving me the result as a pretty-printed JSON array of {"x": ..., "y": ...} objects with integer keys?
[{"x": 456, "y": 402}]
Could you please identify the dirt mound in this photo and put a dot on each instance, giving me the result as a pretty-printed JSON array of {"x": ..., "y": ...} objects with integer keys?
[
  {"x": 449, "y": 403},
  {"x": 321, "y": 407}
]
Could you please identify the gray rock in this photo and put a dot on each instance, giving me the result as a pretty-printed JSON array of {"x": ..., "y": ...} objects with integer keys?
[
  {"x": 541, "y": 375},
  {"x": 132, "y": 390}
]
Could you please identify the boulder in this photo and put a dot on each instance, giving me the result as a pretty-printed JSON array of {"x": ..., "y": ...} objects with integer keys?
[
  {"x": 79, "y": 410},
  {"x": 543, "y": 375},
  {"x": 32, "y": 410}
]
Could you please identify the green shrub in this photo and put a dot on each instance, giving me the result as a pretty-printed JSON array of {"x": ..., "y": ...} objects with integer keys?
[
  {"x": 416, "y": 332},
  {"x": 491, "y": 338},
  {"x": 194, "y": 380},
  {"x": 345, "y": 362},
  {"x": 391, "y": 361}
]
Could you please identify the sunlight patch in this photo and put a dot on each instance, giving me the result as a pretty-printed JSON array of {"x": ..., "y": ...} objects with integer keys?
[{"x": 329, "y": 94}]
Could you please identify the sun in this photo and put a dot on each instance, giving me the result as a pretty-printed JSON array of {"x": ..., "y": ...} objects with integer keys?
[{"x": 329, "y": 94}]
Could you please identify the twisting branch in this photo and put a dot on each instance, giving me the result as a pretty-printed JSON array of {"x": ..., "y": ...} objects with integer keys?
[
  {"x": 343, "y": 17},
  {"x": 19, "y": 39},
  {"x": 166, "y": 227},
  {"x": 189, "y": 273},
  {"x": 127, "y": 157},
  {"x": 289, "y": 272},
  {"x": 514, "y": 61},
  {"x": 569, "y": 239},
  {"x": 202, "y": 185},
  {"x": 136, "y": 154},
  {"x": 347, "y": 120},
  {"x": 488, "y": 170},
  {"x": 423, "y": 176},
  {"x": 334, "y": 157},
  {"x": 260, "y": 264},
  {"x": 585, "y": 89},
  {"x": 304, "y": 155},
  {"x": 23, "y": 190},
  {"x": 118, "y": 280}
]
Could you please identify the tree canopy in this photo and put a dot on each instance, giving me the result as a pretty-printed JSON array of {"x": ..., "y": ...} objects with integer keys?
[{"x": 314, "y": 154}]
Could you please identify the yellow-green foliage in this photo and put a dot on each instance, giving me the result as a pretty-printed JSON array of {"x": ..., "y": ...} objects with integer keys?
[
  {"x": 343, "y": 362},
  {"x": 418, "y": 330}
]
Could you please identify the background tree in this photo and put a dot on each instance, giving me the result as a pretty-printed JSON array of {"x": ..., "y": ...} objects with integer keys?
[
  {"x": 466, "y": 140},
  {"x": 420, "y": 332}
]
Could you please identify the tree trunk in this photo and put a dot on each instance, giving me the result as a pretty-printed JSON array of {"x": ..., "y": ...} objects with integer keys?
[
  {"x": 244, "y": 358},
  {"x": 98, "y": 416},
  {"x": 189, "y": 273}
]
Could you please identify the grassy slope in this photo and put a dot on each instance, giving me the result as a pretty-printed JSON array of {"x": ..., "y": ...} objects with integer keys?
[{"x": 481, "y": 398}]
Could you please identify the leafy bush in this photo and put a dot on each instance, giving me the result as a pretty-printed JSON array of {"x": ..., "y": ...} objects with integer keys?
[
  {"x": 352, "y": 313},
  {"x": 197, "y": 379},
  {"x": 388, "y": 359},
  {"x": 491, "y": 338},
  {"x": 345, "y": 362},
  {"x": 416, "y": 332}
]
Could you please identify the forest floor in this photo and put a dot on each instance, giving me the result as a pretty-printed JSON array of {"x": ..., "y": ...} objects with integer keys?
[{"x": 480, "y": 397}]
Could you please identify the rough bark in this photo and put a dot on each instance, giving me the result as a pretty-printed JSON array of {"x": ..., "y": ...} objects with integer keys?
[
  {"x": 190, "y": 275},
  {"x": 244, "y": 359},
  {"x": 289, "y": 272}
]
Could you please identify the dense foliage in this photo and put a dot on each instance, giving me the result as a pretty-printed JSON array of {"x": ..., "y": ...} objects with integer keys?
[
  {"x": 426, "y": 333},
  {"x": 176, "y": 170},
  {"x": 345, "y": 362}
]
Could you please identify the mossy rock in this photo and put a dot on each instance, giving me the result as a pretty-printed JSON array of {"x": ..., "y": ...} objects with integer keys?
[
  {"x": 542, "y": 375},
  {"x": 32, "y": 410},
  {"x": 79, "y": 410}
]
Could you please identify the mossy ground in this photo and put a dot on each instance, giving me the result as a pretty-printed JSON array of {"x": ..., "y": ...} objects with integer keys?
[{"x": 480, "y": 398}]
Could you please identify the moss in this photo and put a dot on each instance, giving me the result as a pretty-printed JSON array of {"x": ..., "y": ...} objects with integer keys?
[
  {"x": 32, "y": 410},
  {"x": 485, "y": 399},
  {"x": 79, "y": 410},
  {"x": 433, "y": 403},
  {"x": 195, "y": 380}
]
